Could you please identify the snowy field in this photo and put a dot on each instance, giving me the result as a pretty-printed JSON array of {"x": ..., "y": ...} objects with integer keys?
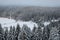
[{"x": 6, "y": 22}]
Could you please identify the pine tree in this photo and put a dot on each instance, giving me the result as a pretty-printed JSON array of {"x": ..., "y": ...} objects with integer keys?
[
  {"x": 6, "y": 34},
  {"x": 59, "y": 30},
  {"x": 18, "y": 30},
  {"x": 13, "y": 33},
  {"x": 33, "y": 32},
  {"x": 1, "y": 33},
  {"x": 25, "y": 34},
  {"x": 54, "y": 34},
  {"x": 34, "y": 29},
  {"x": 38, "y": 34},
  {"x": 46, "y": 32},
  {"x": 10, "y": 33}
]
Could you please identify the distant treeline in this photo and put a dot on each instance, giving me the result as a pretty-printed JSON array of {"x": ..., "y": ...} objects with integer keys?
[{"x": 27, "y": 13}]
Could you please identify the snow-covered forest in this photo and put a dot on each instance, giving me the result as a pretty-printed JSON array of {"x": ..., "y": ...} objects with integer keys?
[
  {"x": 21, "y": 30},
  {"x": 29, "y": 23}
]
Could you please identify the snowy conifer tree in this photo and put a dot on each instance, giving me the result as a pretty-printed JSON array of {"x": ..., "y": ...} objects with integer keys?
[
  {"x": 18, "y": 30},
  {"x": 1, "y": 33},
  {"x": 13, "y": 34},
  {"x": 34, "y": 29},
  {"x": 46, "y": 32},
  {"x": 10, "y": 33},
  {"x": 38, "y": 34},
  {"x": 6, "y": 34},
  {"x": 54, "y": 34},
  {"x": 33, "y": 32},
  {"x": 25, "y": 33}
]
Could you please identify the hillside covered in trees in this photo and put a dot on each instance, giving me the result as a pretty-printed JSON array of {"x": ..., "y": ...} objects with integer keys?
[
  {"x": 50, "y": 32},
  {"x": 30, "y": 12},
  {"x": 50, "y": 16}
]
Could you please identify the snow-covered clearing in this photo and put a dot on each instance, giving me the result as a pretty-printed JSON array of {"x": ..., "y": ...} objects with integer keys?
[{"x": 6, "y": 22}]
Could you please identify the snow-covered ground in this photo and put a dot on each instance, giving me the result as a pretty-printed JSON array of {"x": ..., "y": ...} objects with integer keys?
[
  {"x": 6, "y": 22},
  {"x": 54, "y": 20},
  {"x": 46, "y": 23}
]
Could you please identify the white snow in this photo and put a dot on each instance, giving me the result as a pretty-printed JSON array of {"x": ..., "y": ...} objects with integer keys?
[
  {"x": 46, "y": 23},
  {"x": 55, "y": 20},
  {"x": 6, "y": 22},
  {"x": 30, "y": 24},
  {"x": 42, "y": 28}
]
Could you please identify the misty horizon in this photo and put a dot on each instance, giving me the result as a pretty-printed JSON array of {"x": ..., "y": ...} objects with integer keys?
[{"x": 44, "y": 3}]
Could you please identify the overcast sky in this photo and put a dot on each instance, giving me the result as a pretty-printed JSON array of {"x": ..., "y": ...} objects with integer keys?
[{"x": 52, "y": 3}]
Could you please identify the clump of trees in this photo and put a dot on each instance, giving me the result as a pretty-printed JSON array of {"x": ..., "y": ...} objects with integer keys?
[{"x": 50, "y": 32}]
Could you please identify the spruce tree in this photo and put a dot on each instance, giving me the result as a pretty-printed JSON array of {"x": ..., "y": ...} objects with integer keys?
[
  {"x": 13, "y": 33},
  {"x": 1, "y": 33},
  {"x": 38, "y": 34},
  {"x": 54, "y": 34},
  {"x": 33, "y": 32},
  {"x": 46, "y": 32},
  {"x": 10, "y": 33},
  {"x": 18, "y": 30},
  {"x": 34, "y": 29},
  {"x": 6, "y": 34},
  {"x": 25, "y": 34}
]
